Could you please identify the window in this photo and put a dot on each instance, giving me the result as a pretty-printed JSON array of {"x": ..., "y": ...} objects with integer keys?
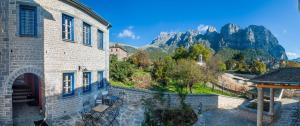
[
  {"x": 86, "y": 81},
  {"x": 100, "y": 79},
  {"x": 68, "y": 84},
  {"x": 67, "y": 27},
  {"x": 86, "y": 34},
  {"x": 100, "y": 39},
  {"x": 28, "y": 19}
]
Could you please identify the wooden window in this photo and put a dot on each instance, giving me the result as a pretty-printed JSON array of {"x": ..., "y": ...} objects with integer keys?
[
  {"x": 86, "y": 81},
  {"x": 100, "y": 39},
  {"x": 68, "y": 84},
  {"x": 87, "y": 34},
  {"x": 100, "y": 79},
  {"x": 28, "y": 21},
  {"x": 67, "y": 27}
]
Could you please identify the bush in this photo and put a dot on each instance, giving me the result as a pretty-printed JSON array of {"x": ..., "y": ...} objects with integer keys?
[
  {"x": 141, "y": 79},
  {"x": 120, "y": 70},
  {"x": 170, "y": 117}
]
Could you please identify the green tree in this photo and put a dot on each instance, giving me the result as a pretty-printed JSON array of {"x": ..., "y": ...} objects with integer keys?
[
  {"x": 239, "y": 57},
  {"x": 258, "y": 67},
  {"x": 187, "y": 73},
  {"x": 162, "y": 69},
  {"x": 199, "y": 49},
  {"x": 120, "y": 70},
  {"x": 180, "y": 53},
  {"x": 140, "y": 59}
]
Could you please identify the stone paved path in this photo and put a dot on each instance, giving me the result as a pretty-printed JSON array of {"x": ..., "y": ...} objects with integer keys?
[
  {"x": 289, "y": 113},
  {"x": 130, "y": 115},
  {"x": 25, "y": 115},
  {"x": 223, "y": 117}
]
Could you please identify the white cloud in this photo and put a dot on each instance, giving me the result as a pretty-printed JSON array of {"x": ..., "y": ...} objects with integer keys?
[
  {"x": 292, "y": 55},
  {"x": 128, "y": 33}
]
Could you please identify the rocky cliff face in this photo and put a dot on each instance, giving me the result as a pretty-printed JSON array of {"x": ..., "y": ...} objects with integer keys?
[{"x": 231, "y": 36}]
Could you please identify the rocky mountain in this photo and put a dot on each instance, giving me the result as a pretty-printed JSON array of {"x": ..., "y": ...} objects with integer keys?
[
  {"x": 254, "y": 38},
  {"x": 297, "y": 59}
]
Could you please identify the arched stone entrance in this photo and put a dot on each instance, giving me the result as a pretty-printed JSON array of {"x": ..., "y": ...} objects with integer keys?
[{"x": 25, "y": 95}]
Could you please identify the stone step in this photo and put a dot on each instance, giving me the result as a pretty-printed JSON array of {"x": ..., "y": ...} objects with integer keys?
[
  {"x": 22, "y": 90},
  {"x": 21, "y": 93},
  {"x": 19, "y": 97},
  {"x": 23, "y": 100}
]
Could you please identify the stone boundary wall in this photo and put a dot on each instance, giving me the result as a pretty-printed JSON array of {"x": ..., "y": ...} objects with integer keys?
[{"x": 208, "y": 101}]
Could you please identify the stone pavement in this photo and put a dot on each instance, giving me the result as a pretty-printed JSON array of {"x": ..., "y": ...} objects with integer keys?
[
  {"x": 290, "y": 113},
  {"x": 133, "y": 115},
  {"x": 25, "y": 115},
  {"x": 130, "y": 115}
]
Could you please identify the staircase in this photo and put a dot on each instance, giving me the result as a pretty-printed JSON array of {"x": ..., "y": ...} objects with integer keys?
[{"x": 21, "y": 94}]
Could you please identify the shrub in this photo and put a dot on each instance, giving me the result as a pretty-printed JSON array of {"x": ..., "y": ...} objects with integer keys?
[{"x": 141, "y": 79}]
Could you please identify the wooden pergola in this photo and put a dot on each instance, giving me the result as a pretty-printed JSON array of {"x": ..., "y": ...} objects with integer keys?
[{"x": 283, "y": 78}]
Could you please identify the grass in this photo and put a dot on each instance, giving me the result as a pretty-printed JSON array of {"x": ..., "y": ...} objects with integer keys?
[
  {"x": 197, "y": 88},
  {"x": 121, "y": 84}
]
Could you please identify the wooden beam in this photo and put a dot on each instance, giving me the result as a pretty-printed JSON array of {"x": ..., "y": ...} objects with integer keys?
[
  {"x": 278, "y": 86},
  {"x": 260, "y": 107}
]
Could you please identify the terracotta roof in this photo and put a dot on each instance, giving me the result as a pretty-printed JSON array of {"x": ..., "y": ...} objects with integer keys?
[
  {"x": 281, "y": 76},
  {"x": 87, "y": 10}
]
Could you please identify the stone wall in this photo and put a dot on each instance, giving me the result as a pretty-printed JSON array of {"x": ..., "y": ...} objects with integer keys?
[
  {"x": 132, "y": 113},
  {"x": 63, "y": 56},
  {"x": 4, "y": 52},
  {"x": 135, "y": 96},
  {"x": 48, "y": 56}
]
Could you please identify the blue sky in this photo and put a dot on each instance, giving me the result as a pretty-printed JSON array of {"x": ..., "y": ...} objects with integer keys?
[{"x": 138, "y": 22}]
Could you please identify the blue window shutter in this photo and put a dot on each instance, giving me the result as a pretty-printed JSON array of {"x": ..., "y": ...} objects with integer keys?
[
  {"x": 100, "y": 79},
  {"x": 27, "y": 20},
  {"x": 72, "y": 31},
  {"x": 90, "y": 35},
  {"x": 100, "y": 39},
  {"x": 73, "y": 83}
]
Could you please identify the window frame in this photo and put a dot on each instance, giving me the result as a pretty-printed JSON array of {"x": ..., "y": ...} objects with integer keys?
[
  {"x": 72, "y": 84},
  {"x": 100, "y": 83},
  {"x": 84, "y": 34},
  {"x": 27, "y": 7},
  {"x": 100, "y": 39},
  {"x": 72, "y": 34},
  {"x": 89, "y": 85}
]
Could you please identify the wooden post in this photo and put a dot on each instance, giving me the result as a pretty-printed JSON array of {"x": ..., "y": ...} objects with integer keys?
[
  {"x": 271, "y": 110},
  {"x": 260, "y": 102}
]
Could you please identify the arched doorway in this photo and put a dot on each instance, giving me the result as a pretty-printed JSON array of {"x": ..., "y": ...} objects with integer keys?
[{"x": 27, "y": 99}]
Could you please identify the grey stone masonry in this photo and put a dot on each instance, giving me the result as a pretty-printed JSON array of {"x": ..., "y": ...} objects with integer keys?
[
  {"x": 207, "y": 101},
  {"x": 48, "y": 56}
]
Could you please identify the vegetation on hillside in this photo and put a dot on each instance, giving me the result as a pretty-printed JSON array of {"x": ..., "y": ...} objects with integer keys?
[{"x": 178, "y": 72}]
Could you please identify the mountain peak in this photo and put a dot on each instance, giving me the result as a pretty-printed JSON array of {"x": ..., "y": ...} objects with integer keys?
[
  {"x": 253, "y": 37},
  {"x": 230, "y": 28}
]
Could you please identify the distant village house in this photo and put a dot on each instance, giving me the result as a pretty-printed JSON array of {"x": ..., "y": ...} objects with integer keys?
[{"x": 118, "y": 51}]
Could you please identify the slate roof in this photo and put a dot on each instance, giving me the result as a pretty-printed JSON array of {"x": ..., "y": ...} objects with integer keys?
[
  {"x": 289, "y": 76},
  {"x": 87, "y": 10}
]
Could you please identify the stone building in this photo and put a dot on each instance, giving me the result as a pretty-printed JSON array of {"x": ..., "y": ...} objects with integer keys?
[
  {"x": 54, "y": 58},
  {"x": 119, "y": 52}
]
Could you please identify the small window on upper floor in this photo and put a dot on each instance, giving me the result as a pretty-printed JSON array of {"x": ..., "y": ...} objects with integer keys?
[
  {"x": 67, "y": 28},
  {"x": 87, "y": 34},
  {"x": 28, "y": 21},
  {"x": 100, "y": 39}
]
